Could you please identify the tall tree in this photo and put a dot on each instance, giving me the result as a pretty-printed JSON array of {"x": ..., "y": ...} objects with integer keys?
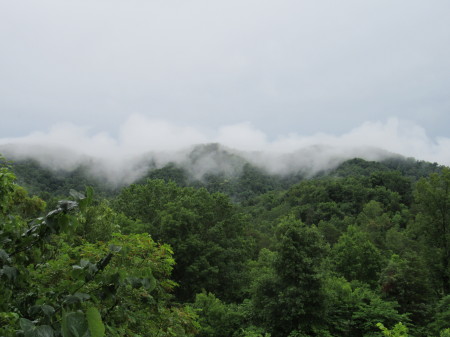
[
  {"x": 355, "y": 257},
  {"x": 205, "y": 231},
  {"x": 290, "y": 300},
  {"x": 432, "y": 198}
]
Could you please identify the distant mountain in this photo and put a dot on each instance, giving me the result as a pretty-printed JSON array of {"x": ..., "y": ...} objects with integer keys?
[{"x": 242, "y": 175}]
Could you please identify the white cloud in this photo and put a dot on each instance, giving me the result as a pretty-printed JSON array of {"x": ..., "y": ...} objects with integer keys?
[
  {"x": 140, "y": 134},
  {"x": 67, "y": 145}
]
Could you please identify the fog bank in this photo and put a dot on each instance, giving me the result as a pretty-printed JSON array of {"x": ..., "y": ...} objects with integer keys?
[{"x": 141, "y": 141}]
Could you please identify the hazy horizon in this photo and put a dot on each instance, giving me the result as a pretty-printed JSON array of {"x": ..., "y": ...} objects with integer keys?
[{"x": 65, "y": 146}]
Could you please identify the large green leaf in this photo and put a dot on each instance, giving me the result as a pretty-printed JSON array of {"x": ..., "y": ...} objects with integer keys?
[
  {"x": 30, "y": 330},
  {"x": 42, "y": 331},
  {"x": 26, "y": 324},
  {"x": 74, "y": 324},
  {"x": 75, "y": 298},
  {"x": 38, "y": 309},
  {"x": 96, "y": 326}
]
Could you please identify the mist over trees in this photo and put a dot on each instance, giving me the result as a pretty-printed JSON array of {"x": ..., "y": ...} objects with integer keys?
[{"x": 360, "y": 249}]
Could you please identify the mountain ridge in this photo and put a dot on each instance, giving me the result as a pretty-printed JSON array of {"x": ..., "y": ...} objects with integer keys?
[{"x": 239, "y": 174}]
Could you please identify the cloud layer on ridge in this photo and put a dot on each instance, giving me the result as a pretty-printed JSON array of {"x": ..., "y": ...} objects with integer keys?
[{"x": 65, "y": 145}]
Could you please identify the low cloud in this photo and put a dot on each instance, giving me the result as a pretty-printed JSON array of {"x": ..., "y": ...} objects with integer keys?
[{"x": 142, "y": 140}]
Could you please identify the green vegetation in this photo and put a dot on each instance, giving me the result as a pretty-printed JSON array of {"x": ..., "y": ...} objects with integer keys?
[{"x": 360, "y": 251}]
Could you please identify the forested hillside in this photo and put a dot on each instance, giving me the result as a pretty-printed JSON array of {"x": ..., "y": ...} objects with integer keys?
[{"x": 362, "y": 249}]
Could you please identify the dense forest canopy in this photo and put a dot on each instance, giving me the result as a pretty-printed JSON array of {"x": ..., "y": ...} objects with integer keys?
[{"x": 362, "y": 249}]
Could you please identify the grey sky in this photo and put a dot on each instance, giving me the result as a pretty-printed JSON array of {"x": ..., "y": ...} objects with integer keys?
[{"x": 283, "y": 67}]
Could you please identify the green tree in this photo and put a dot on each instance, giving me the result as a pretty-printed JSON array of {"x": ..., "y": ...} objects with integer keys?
[
  {"x": 290, "y": 297},
  {"x": 99, "y": 222},
  {"x": 406, "y": 281},
  {"x": 217, "y": 319},
  {"x": 205, "y": 231},
  {"x": 355, "y": 257},
  {"x": 432, "y": 198},
  {"x": 441, "y": 317},
  {"x": 7, "y": 188},
  {"x": 375, "y": 222},
  {"x": 399, "y": 330},
  {"x": 394, "y": 181},
  {"x": 353, "y": 309},
  {"x": 54, "y": 283}
]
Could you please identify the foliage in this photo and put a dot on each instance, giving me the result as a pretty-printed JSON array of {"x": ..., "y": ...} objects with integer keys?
[
  {"x": 355, "y": 257},
  {"x": 289, "y": 296},
  {"x": 406, "y": 280},
  {"x": 216, "y": 318},
  {"x": 375, "y": 222},
  {"x": 353, "y": 309},
  {"x": 99, "y": 222},
  {"x": 55, "y": 285},
  {"x": 169, "y": 172},
  {"x": 47, "y": 183},
  {"x": 205, "y": 229},
  {"x": 399, "y": 330},
  {"x": 445, "y": 333},
  {"x": 331, "y": 255},
  {"x": 6, "y": 188},
  {"x": 433, "y": 219},
  {"x": 442, "y": 315}
]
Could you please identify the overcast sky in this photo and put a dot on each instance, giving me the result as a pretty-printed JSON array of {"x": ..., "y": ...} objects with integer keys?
[{"x": 247, "y": 72}]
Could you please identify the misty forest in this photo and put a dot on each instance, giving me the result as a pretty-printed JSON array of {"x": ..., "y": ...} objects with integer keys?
[{"x": 359, "y": 248}]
